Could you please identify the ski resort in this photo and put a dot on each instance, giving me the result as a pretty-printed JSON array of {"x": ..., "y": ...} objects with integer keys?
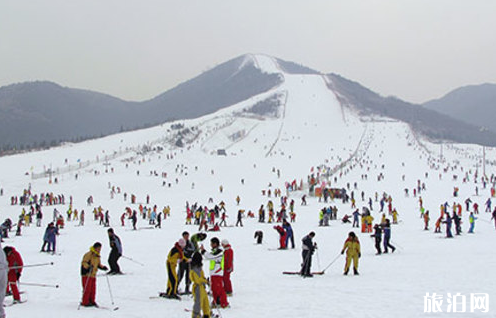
[{"x": 251, "y": 185}]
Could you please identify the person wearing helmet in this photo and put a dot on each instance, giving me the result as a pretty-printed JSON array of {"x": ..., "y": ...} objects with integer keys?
[
  {"x": 352, "y": 248},
  {"x": 173, "y": 258},
  {"x": 228, "y": 266}
]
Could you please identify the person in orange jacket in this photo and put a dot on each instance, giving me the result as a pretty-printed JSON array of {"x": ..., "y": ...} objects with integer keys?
[
  {"x": 89, "y": 266},
  {"x": 15, "y": 263},
  {"x": 228, "y": 266},
  {"x": 352, "y": 248}
]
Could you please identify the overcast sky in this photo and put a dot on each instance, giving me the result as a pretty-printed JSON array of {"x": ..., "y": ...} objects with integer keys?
[{"x": 414, "y": 49}]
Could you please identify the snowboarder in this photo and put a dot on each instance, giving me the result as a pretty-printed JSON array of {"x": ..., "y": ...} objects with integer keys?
[
  {"x": 228, "y": 266},
  {"x": 352, "y": 248},
  {"x": 308, "y": 247},
  {"x": 89, "y": 266},
  {"x": 115, "y": 253},
  {"x": 216, "y": 257}
]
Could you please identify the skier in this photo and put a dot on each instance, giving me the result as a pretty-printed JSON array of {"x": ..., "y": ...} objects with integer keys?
[
  {"x": 175, "y": 255},
  {"x": 15, "y": 263},
  {"x": 50, "y": 238},
  {"x": 282, "y": 236},
  {"x": 259, "y": 237},
  {"x": 471, "y": 220},
  {"x": 200, "y": 296},
  {"x": 197, "y": 238},
  {"x": 308, "y": 248},
  {"x": 89, "y": 266},
  {"x": 378, "y": 237},
  {"x": 356, "y": 214},
  {"x": 448, "y": 223},
  {"x": 115, "y": 253},
  {"x": 228, "y": 266},
  {"x": 240, "y": 217},
  {"x": 387, "y": 236},
  {"x": 352, "y": 248},
  {"x": 426, "y": 220},
  {"x": 184, "y": 266},
  {"x": 4, "y": 268},
  {"x": 494, "y": 217},
  {"x": 216, "y": 258},
  {"x": 289, "y": 233}
]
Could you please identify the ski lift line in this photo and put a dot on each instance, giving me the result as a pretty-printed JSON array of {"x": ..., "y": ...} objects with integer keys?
[{"x": 282, "y": 125}]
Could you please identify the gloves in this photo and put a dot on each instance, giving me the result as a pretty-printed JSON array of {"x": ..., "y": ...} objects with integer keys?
[
  {"x": 342, "y": 252},
  {"x": 359, "y": 255},
  {"x": 18, "y": 275},
  {"x": 105, "y": 268}
]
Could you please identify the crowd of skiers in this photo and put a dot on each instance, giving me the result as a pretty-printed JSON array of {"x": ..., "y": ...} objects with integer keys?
[{"x": 185, "y": 261}]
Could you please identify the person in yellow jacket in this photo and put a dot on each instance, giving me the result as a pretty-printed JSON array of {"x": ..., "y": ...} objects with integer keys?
[
  {"x": 352, "y": 248},
  {"x": 197, "y": 276},
  {"x": 89, "y": 267},
  {"x": 173, "y": 258}
]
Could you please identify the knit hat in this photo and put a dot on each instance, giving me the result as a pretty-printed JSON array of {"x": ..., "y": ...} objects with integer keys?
[
  {"x": 224, "y": 242},
  {"x": 182, "y": 243}
]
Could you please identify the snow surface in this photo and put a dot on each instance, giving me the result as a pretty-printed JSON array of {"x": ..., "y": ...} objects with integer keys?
[{"x": 312, "y": 129}]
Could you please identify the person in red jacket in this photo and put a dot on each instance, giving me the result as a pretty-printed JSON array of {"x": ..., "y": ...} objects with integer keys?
[
  {"x": 282, "y": 236},
  {"x": 14, "y": 260},
  {"x": 228, "y": 266}
]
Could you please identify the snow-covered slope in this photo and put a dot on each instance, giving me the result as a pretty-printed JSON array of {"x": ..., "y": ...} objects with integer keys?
[{"x": 273, "y": 138}]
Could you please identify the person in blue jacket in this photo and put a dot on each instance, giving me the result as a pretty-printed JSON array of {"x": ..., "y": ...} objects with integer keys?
[
  {"x": 50, "y": 238},
  {"x": 289, "y": 233},
  {"x": 448, "y": 223},
  {"x": 356, "y": 214},
  {"x": 386, "y": 228}
]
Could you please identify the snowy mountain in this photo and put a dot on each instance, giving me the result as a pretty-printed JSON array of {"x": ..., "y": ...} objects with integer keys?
[
  {"x": 473, "y": 104},
  {"x": 42, "y": 114},
  {"x": 275, "y": 138}
]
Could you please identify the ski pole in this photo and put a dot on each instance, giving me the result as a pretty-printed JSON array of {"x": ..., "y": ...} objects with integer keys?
[
  {"x": 32, "y": 265},
  {"x": 216, "y": 306},
  {"x": 39, "y": 285},
  {"x": 110, "y": 292},
  {"x": 333, "y": 261},
  {"x": 318, "y": 259},
  {"x": 397, "y": 245},
  {"x": 132, "y": 260},
  {"x": 84, "y": 291}
]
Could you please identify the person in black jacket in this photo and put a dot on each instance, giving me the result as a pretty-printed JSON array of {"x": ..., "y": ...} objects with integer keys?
[
  {"x": 308, "y": 248},
  {"x": 184, "y": 266},
  {"x": 115, "y": 253},
  {"x": 378, "y": 238}
]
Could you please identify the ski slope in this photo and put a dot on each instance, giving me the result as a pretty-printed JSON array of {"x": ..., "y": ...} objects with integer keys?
[{"x": 311, "y": 130}]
